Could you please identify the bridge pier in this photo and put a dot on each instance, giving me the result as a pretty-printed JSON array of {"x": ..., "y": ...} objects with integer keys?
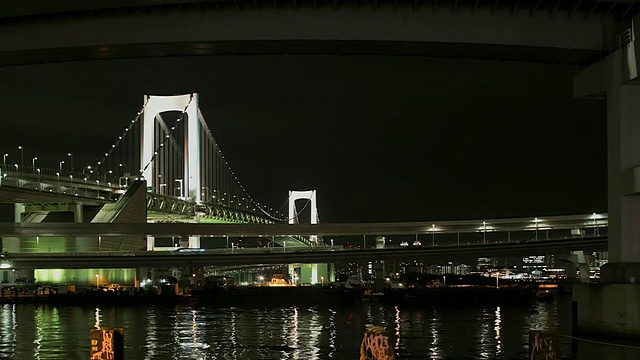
[
  {"x": 611, "y": 307},
  {"x": 19, "y": 209}
]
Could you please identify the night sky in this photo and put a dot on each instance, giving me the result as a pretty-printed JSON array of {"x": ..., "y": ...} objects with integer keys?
[{"x": 381, "y": 138}]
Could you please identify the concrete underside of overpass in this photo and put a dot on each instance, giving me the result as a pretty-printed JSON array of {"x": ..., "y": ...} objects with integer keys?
[{"x": 513, "y": 30}]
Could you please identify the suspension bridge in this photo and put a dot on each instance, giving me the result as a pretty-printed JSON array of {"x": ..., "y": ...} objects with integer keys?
[{"x": 165, "y": 167}]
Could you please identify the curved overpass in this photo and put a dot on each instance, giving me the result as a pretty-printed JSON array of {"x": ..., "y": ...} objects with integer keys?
[{"x": 529, "y": 30}]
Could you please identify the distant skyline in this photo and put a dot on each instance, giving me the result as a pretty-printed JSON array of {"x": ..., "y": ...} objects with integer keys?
[{"x": 381, "y": 138}]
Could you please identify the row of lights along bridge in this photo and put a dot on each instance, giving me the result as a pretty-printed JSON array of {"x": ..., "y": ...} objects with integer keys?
[{"x": 214, "y": 196}]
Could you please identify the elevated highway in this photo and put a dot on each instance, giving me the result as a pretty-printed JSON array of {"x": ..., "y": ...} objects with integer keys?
[
  {"x": 489, "y": 226},
  {"x": 284, "y": 256}
]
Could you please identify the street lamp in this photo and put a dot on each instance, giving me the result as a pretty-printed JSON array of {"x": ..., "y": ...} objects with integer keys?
[
  {"x": 58, "y": 175},
  {"x": 71, "y": 156},
  {"x": 18, "y": 172},
  {"x": 433, "y": 234},
  {"x": 484, "y": 231},
  {"x": 4, "y": 159},
  {"x": 39, "y": 183},
  {"x": 21, "y": 156},
  {"x": 33, "y": 163},
  {"x": 97, "y": 281},
  {"x": 61, "y": 163}
]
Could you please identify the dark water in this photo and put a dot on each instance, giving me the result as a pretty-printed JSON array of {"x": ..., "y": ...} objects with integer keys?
[{"x": 183, "y": 332}]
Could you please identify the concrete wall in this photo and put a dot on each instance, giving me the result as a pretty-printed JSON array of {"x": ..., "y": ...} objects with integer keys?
[{"x": 611, "y": 310}]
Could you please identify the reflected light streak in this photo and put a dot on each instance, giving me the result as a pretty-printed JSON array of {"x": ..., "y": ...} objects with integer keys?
[
  {"x": 435, "y": 330},
  {"x": 484, "y": 333},
  {"x": 151, "y": 337},
  {"x": 397, "y": 328},
  {"x": 315, "y": 329},
  {"x": 38, "y": 340},
  {"x": 8, "y": 328},
  {"x": 234, "y": 334},
  {"x": 332, "y": 333},
  {"x": 293, "y": 334},
  {"x": 97, "y": 318},
  {"x": 497, "y": 328}
]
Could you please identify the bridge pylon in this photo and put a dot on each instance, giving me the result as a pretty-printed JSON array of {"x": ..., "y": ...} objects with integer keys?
[
  {"x": 149, "y": 142},
  {"x": 310, "y": 196}
]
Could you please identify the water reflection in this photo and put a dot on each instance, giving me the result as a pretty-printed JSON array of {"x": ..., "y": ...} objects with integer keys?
[
  {"x": 31, "y": 332},
  {"x": 496, "y": 328},
  {"x": 333, "y": 333},
  {"x": 8, "y": 323},
  {"x": 435, "y": 330},
  {"x": 397, "y": 328},
  {"x": 484, "y": 333},
  {"x": 151, "y": 339}
]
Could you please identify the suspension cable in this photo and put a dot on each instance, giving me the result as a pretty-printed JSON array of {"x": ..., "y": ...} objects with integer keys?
[{"x": 124, "y": 134}]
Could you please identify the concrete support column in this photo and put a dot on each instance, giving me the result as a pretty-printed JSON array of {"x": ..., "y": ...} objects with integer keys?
[
  {"x": 151, "y": 243},
  {"x": 194, "y": 242},
  {"x": 78, "y": 216},
  {"x": 611, "y": 307},
  {"x": 623, "y": 132},
  {"x": 18, "y": 211},
  {"x": 616, "y": 77}
]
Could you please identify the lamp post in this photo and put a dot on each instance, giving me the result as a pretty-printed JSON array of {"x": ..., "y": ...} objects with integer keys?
[
  {"x": 21, "y": 156},
  {"x": 71, "y": 156},
  {"x": 536, "y": 221},
  {"x": 33, "y": 163},
  {"x": 97, "y": 281},
  {"x": 39, "y": 183},
  {"x": 4, "y": 159},
  {"x": 433, "y": 234},
  {"x": 18, "y": 180},
  {"x": 484, "y": 231},
  {"x": 61, "y": 163},
  {"x": 58, "y": 175}
]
